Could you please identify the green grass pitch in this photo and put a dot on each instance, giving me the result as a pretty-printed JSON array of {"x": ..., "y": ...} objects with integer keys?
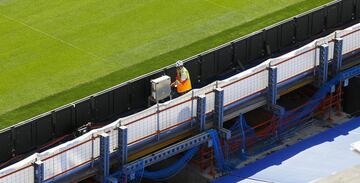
[{"x": 53, "y": 52}]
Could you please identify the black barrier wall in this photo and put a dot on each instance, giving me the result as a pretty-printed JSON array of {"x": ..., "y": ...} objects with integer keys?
[
  {"x": 132, "y": 96},
  {"x": 351, "y": 102}
]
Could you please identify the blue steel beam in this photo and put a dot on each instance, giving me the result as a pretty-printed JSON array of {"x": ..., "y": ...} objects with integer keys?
[
  {"x": 158, "y": 122},
  {"x": 39, "y": 171},
  {"x": 349, "y": 73},
  {"x": 272, "y": 87},
  {"x": 122, "y": 145},
  {"x": 219, "y": 114},
  {"x": 243, "y": 134},
  {"x": 219, "y": 108},
  {"x": 104, "y": 157},
  {"x": 166, "y": 153},
  {"x": 272, "y": 93},
  {"x": 323, "y": 65},
  {"x": 200, "y": 112},
  {"x": 337, "y": 61}
]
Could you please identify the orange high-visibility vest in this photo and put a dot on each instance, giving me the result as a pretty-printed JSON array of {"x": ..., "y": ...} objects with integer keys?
[{"x": 185, "y": 85}]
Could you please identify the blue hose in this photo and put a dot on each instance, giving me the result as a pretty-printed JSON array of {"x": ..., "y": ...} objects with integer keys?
[{"x": 173, "y": 169}]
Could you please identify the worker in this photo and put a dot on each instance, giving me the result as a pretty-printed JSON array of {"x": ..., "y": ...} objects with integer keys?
[{"x": 182, "y": 82}]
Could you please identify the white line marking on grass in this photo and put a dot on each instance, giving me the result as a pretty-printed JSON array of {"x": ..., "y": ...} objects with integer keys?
[
  {"x": 219, "y": 5},
  {"x": 53, "y": 37}
]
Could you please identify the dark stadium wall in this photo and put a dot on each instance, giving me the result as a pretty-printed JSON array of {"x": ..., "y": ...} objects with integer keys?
[{"x": 351, "y": 97}]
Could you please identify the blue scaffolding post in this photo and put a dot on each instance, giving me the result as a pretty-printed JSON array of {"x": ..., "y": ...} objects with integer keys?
[
  {"x": 200, "y": 112},
  {"x": 157, "y": 122},
  {"x": 323, "y": 65},
  {"x": 337, "y": 61},
  {"x": 219, "y": 108},
  {"x": 243, "y": 134},
  {"x": 272, "y": 96},
  {"x": 122, "y": 151},
  {"x": 272, "y": 87},
  {"x": 273, "y": 92},
  {"x": 219, "y": 114},
  {"x": 39, "y": 171},
  {"x": 104, "y": 157},
  {"x": 122, "y": 143}
]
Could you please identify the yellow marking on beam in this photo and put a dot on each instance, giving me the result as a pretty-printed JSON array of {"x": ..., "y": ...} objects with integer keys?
[
  {"x": 159, "y": 146},
  {"x": 297, "y": 86}
]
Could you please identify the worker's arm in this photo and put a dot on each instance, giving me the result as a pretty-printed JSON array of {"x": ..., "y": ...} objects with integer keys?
[
  {"x": 182, "y": 79},
  {"x": 176, "y": 82}
]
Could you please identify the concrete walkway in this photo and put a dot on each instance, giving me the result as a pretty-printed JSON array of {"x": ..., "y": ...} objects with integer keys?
[{"x": 310, "y": 160}]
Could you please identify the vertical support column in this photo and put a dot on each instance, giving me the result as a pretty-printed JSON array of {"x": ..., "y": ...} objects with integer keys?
[
  {"x": 39, "y": 171},
  {"x": 336, "y": 68},
  {"x": 338, "y": 99},
  {"x": 122, "y": 151},
  {"x": 243, "y": 134},
  {"x": 104, "y": 157},
  {"x": 122, "y": 143},
  {"x": 219, "y": 108},
  {"x": 337, "y": 62},
  {"x": 272, "y": 96},
  {"x": 157, "y": 121},
  {"x": 200, "y": 111},
  {"x": 323, "y": 65},
  {"x": 272, "y": 87},
  {"x": 192, "y": 108}
]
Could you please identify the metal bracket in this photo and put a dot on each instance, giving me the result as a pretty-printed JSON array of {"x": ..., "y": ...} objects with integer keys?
[
  {"x": 225, "y": 133},
  {"x": 278, "y": 110}
]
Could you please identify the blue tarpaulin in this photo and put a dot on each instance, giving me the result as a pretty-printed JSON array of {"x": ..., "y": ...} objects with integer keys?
[{"x": 313, "y": 158}]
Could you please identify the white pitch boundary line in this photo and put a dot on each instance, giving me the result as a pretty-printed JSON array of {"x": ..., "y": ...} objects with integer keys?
[
  {"x": 53, "y": 37},
  {"x": 219, "y": 5}
]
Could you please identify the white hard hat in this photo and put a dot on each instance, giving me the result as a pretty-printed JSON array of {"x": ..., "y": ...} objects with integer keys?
[{"x": 179, "y": 63}]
